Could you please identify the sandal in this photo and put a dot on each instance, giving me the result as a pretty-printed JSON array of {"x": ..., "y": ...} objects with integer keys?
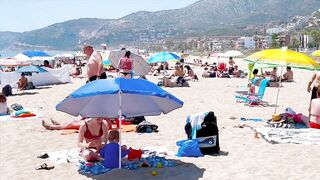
[
  {"x": 43, "y": 156},
  {"x": 45, "y": 166}
]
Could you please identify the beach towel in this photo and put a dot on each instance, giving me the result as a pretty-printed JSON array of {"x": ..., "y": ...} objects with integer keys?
[
  {"x": 294, "y": 136},
  {"x": 195, "y": 121},
  {"x": 66, "y": 156},
  {"x": 34, "y": 115}
]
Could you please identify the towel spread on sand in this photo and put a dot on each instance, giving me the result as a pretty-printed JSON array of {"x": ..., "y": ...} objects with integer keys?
[
  {"x": 285, "y": 135},
  {"x": 13, "y": 118},
  {"x": 63, "y": 157}
]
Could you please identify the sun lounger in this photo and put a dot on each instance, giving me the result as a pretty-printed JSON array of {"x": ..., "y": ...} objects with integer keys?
[{"x": 247, "y": 97}]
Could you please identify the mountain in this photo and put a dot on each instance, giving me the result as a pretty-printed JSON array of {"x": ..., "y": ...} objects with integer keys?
[{"x": 202, "y": 17}]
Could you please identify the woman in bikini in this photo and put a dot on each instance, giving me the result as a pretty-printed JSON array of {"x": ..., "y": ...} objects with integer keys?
[
  {"x": 93, "y": 135},
  {"x": 126, "y": 65}
]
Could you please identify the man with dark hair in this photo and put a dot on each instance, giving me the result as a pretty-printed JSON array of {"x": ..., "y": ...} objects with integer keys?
[
  {"x": 95, "y": 69},
  {"x": 288, "y": 76}
]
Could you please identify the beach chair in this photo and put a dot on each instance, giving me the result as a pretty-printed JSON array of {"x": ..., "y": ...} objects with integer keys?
[{"x": 254, "y": 98}]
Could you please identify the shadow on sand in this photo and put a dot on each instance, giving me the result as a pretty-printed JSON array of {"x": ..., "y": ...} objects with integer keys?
[{"x": 181, "y": 171}]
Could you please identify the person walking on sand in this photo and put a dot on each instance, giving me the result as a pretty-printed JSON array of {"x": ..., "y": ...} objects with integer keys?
[
  {"x": 126, "y": 65},
  {"x": 95, "y": 69}
]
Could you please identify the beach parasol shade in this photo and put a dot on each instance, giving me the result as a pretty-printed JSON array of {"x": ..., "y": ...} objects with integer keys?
[
  {"x": 232, "y": 53},
  {"x": 119, "y": 97},
  {"x": 163, "y": 57},
  {"x": 284, "y": 57},
  {"x": 140, "y": 66},
  {"x": 316, "y": 53},
  {"x": 31, "y": 69}
]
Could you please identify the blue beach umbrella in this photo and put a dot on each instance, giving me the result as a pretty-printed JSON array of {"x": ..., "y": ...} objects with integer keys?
[
  {"x": 31, "y": 69},
  {"x": 163, "y": 57},
  {"x": 117, "y": 97}
]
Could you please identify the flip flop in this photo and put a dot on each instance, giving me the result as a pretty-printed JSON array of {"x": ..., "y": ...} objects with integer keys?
[
  {"x": 43, "y": 156},
  {"x": 45, "y": 167}
]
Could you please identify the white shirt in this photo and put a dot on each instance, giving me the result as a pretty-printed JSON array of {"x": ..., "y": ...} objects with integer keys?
[{"x": 3, "y": 108}]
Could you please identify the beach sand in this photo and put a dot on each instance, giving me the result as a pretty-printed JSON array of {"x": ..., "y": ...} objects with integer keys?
[{"x": 243, "y": 156}]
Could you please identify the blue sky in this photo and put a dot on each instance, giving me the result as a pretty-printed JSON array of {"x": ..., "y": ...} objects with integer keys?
[{"x": 24, "y": 15}]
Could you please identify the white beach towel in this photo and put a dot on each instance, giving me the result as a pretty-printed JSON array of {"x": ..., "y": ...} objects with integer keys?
[
  {"x": 285, "y": 135},
  {"x": 195, "y": 121},
  {"x": 66, "y": 156},
  {"x": 12, "y": 118}
]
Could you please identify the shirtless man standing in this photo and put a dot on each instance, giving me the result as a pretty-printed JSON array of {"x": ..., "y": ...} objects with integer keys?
[
  {"x": 95, "y": 69},
  {"x": 315, "y": 81}
]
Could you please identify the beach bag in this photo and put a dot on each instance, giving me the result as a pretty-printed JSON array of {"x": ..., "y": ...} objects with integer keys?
[
  {"x": 30, "y": 85},
  {"x": 189, "y": 148},
  {"x": 7, "y": 90},
  {"x": 146, "y": 127}
]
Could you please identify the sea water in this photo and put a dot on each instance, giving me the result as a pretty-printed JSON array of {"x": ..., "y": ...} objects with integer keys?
[{"x": 6, "y": 54}]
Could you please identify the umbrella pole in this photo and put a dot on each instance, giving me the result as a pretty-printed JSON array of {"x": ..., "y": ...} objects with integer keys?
[
  {"x": 275, "y": 109},
  {"x": 120, "y": 116}
]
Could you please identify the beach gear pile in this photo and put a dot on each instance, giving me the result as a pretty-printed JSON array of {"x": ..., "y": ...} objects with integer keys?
[{"x": 203, "y": 136}]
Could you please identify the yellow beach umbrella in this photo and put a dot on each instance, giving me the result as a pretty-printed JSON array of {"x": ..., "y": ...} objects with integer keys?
[
  {"x": 316, "y": 53},
  {"x": 283, "y": 57}
]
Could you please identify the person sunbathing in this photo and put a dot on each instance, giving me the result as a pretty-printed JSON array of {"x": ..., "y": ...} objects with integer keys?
[
  {"x": 288, "y": 76},
  {"x": 23, "y": 82},
  {"x": 73, "y": 125}
]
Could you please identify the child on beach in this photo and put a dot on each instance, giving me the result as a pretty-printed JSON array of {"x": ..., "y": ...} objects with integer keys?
[
  {"x": 4, "y": 110},
  {"x": 110, "y": 152}
]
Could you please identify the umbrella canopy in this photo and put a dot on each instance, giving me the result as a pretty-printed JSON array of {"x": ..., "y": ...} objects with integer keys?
[
  {"x": 104, "y": 98},
  {"x": 27, "y": 69},
  {"x": 117, "y": 97},
  {"x": 316, "y": 53},
  {"x": 284, "y": 57},
  {"x": 232, "y": 53},
  {"x": 13, "y": 62},
  {"x": 33, "y": 56},
  {"x": 140, "y": 66},
  {"x": 163, "y": 57}
]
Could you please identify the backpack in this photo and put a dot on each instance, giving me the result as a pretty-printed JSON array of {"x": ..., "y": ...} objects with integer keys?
[
  {"x": 146, "y": 127},
  {"x": 30, "y": 85},
  {"x": 208, "y": 135},
  {"x": 7, "y": 90}
]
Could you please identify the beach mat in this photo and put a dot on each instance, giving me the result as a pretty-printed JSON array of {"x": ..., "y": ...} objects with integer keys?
[
  {"x": 13, "y": 118},
  {"x": 285, "y": 135}
]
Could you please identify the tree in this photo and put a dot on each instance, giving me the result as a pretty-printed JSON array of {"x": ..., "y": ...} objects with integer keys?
[
  {"x": 275, "y": 41},
  {"x": 295, "y": 43},
  {"x": 315, "y": 34}
]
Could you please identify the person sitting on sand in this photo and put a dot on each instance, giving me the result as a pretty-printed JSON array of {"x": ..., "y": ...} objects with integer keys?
[
  {"x": 288, "y": 76},
  {"x": 213, "y": 72},
  {"x": 4, "y": 110},
  {"x": 93, "y": 134},
  {"x": 23, "y": 82},
  {"x": 315, "y": 113},
  {"x": 273, "y": 75},
  {"x": 189, "y": 74},
  {"x": 110, "y": 151}
]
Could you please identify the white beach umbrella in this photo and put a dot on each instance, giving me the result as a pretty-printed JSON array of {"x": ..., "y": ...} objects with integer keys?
[{"x": 232, "y": 53}]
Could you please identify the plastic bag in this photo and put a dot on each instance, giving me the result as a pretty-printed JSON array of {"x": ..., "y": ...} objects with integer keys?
[{"x": 189, "y": 148}]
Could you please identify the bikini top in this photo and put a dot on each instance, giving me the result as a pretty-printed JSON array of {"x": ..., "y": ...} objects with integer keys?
[{"x": 88, "y": 134}]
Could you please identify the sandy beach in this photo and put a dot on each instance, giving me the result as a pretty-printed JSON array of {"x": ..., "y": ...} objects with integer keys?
[{"x": 243, "y": 156}]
